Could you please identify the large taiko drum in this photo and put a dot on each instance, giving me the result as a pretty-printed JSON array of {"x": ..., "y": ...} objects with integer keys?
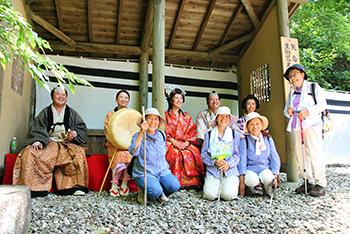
[{"x": 122, "y": 126}]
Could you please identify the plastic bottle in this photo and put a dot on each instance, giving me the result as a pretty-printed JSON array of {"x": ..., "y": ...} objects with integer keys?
[{"x": 13, "y": 146}]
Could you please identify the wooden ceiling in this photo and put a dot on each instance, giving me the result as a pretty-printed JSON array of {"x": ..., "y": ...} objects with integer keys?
[{"x": 201, "y": 33}]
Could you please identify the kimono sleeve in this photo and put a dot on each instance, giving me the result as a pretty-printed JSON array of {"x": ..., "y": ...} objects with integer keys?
[
  {"x": 38, "y": 130},
  {"x": 77, "y": 124}
]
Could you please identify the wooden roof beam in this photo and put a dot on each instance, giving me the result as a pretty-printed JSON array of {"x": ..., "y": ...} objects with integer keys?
[
  {"x": 120, "y": 9},
  {"x": 27, "y": 9},
  {"x": 147, "y": 29},
  {"x": 250, "y": 10},
  {"x": 59, "y": 15},
  {"x": 299, "y": 1},
  {"x": 231, "y": 44},
  {"x": 293, "y": 7},
  {"x": 135, "y": 50},
  {"x": 204, "y": 24},
  {"x": 229, "y": 25},
  {"x": 27, "y": 2},
  {"x": 49, "y": 27},
  {"x": 271, "y": 6},
  {"x": 176, "y": 25},
  {"x": 89, "y": 18}
]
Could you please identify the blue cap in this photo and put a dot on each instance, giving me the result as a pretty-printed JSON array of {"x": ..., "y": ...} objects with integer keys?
[{"x": 295, "y": 66}]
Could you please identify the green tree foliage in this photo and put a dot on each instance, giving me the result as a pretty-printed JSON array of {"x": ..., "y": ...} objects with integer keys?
[
  {"x": 18, "y": 40},
  {"x": 323, "y": 30}
]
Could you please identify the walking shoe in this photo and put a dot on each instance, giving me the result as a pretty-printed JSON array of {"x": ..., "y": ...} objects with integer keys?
[
  {"x": 268, "y": 193},
  {"x": 163, "y": 198},
  {"x": 141, "y": 197},
  {"x": 301, "y": 188},
  {"x": 318, "y": 191}
]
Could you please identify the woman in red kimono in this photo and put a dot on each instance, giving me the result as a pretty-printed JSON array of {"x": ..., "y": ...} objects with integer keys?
[{"x": 182, "y": 155}]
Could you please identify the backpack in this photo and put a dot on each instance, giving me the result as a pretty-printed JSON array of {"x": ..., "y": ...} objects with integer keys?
[
  {"x": 327, "y": 121},
  {"x": 131, "y": 164}
]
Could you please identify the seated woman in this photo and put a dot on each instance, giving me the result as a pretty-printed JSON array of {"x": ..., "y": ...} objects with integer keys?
[
  {"x": 122, "y": 157},
  {"x": 250, "y": 104},
  {"x": 160, "y": 182},
  {"x": 220, "y": 154},
  {"x": 259, "y": 161},
  {"x": 182, "y": 154}
]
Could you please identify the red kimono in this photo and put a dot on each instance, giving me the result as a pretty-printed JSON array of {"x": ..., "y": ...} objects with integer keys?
[{"x": 186, "y": 165}]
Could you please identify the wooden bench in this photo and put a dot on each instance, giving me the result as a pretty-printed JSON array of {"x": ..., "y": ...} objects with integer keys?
[{"x": 97, "y": 164}]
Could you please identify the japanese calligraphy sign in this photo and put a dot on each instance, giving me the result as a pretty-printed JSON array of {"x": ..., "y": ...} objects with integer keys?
[{"x": 290, "y": 51}]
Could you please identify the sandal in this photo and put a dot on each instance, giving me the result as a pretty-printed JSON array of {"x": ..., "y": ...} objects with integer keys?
[
  {"x": 114, "y": 192},
  {"x": 124, "y": 191}
]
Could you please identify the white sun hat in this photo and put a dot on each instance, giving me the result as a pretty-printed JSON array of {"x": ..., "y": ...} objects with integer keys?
[
  {"x": 226, "y": 111},
  {"x": 254, "y": 115},
  {"x": 152, "y": 111}
]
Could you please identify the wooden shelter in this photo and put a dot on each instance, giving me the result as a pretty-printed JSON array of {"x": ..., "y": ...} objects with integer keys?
[
  {"x": 202, "y": 33},
  {"x": 217, "y": 34}
]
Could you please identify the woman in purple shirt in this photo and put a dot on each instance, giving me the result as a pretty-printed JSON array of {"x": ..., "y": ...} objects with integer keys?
[
  {"x": 160, "y": 182},
  {"x": 304, "y": 105},
  {"x": 220, "y": 153},
  {"x": 259, "y": 162}
]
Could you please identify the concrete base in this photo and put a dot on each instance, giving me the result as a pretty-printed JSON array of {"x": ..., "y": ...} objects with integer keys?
[
  {"x": 289, "y": 185},
  {"x": 15, "y": 208}
]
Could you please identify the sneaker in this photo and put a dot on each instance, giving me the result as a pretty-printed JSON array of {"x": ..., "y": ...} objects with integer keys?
[
  {"x": 301, "y": 188},
  {"x": 141, "y": 197},
  {"x": 114, "y": 192},
  {"x": 318, "y": 191},
  {"x": 268, "y": 193},
  {"x": 163, "y": 198},
  {"x": 124, "y": 191}
]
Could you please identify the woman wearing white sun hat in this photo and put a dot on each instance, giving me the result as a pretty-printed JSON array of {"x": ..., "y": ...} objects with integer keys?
[
  {"x": 259, "y": 160},
  {"x": 160, "y": 182},
  {"x": 220, "y": 153}
]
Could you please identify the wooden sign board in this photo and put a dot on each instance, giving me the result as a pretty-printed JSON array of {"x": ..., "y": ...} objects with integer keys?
[{"x": 290, "y": 56}]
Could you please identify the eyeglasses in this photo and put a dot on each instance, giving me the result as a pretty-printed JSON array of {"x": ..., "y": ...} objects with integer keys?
[{"x": 294, "y": 74}]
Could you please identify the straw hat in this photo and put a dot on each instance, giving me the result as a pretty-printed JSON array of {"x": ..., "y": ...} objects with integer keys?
[
  {"x": 152, "y": 111},
  {"x": 225, "y": 111},
  {"x": 254, "y": 115}
]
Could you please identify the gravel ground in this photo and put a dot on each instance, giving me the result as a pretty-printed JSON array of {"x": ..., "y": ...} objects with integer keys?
[{"x": 188, "y": 212}]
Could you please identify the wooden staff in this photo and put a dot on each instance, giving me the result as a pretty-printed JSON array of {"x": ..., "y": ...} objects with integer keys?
[
  {"x": 109, "y": 167},
  {"x": 144, "y": 157}
]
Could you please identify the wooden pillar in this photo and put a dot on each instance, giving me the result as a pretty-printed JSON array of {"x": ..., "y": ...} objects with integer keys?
[
  {"x": 283, "y": 27},
  {"x": 158, "y": 78},
  {"x": 143, "y": 87}
]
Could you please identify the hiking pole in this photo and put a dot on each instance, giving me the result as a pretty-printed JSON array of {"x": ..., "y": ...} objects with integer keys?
[
  {"x": 144, "y": 158},
  {"x": 109, "y": 167},
  {"x": 303, "y": 148},
  {"x": 273, "y": 190},
  {"x": 217, "y": 209}
]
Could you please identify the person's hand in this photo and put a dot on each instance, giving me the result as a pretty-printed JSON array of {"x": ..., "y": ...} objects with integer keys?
[
  {"x": 37, "y": 145},
  {"x": 180, "y": 145},
  {"x": 71, "y": 134},
  {"x": 303, "y": 114},
  {"x": 290, "y": 111},
  {"x": 222, "y": 165},
  {"x": 241, "y": 185},
  {"x": 144, "y": 126}
]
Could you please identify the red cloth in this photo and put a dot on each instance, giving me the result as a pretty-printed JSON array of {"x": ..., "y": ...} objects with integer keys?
[
  {"x": 97, "y": 164},
  {"x": 10, "y": 160},
  {"x": 185, "y": 164}
]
